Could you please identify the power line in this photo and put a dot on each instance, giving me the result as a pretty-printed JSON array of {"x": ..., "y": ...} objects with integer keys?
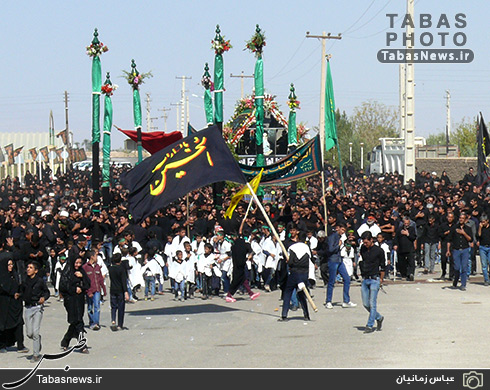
[
  {"x": 376, "y": 14},
  {"x": 360, "y": 17}
]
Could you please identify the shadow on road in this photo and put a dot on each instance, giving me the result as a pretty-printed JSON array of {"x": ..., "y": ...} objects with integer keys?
[{"x": 181, "y": 310}]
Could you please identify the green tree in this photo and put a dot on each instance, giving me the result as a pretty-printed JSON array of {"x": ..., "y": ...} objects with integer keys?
[
  {"x": 465, "y": 137},
  {"x": 436, "y": 139},
  {"x": 370, "y": 122}
]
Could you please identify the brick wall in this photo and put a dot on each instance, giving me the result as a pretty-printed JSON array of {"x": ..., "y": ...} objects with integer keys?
[{"x": 456, "y": 167}]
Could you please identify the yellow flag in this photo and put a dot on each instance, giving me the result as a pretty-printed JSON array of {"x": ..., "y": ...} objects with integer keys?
[{"x": 254, "y": 183}]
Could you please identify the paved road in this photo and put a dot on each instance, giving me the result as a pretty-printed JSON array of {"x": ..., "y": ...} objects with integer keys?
[{"x": 426, "y": 326}]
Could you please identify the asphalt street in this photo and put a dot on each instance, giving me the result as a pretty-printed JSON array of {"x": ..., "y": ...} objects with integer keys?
[{"x": 426, "y": 325}]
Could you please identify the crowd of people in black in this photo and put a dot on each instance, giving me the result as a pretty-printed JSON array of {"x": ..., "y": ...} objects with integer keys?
[{"x": 56, "y": 243}]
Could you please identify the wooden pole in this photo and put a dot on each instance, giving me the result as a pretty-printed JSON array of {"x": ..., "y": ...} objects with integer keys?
[{"x": 286, "y": 255}]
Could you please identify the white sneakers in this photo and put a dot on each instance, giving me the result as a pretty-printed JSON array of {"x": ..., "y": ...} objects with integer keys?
[
  {"x": 329, "y": 305},
  {"x": 349, "y": 304}
]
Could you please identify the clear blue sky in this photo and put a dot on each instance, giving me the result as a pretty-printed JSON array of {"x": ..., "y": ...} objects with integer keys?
[{"x": 43, "y": 49}]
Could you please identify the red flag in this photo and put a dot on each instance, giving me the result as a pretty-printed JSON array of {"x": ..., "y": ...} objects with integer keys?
[{"x": 153, "y": 141}]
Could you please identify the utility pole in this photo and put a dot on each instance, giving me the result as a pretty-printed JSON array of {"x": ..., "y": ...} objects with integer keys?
[
  {"x": 177, "y": 111},
  {"x": 67, "y": 129},
  {"x": 403, "y": 96},
  {"x": 242, "y": 76},
  {"x": 164, "y": 116},
  {"x": 183, "y": 123},
  {"x": 409, "y": 173},
  {"x": 448, "y": 112},
  {"x": 148, "y": 110},
  {"x": 324, "y": 38},
  {"x": 448, "y": 120}
]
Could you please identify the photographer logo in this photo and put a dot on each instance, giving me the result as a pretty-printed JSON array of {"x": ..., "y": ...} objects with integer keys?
[{"x": 472, "y": 380}]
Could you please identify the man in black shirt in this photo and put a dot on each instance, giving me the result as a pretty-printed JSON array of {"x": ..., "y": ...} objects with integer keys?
[
  {"x": 372, "y": 264},
  {"x": 483, "y": 236},
  {"x": 459, "y": 245},
  {"x": 118, "y": 291},
  {"x": 444, "y": 230},
  {"x": 34, "y": 293}
]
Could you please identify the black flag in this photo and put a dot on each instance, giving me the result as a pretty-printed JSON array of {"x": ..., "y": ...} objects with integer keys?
[
  {"x": 192, "y": 162},
  {"x": 483, "y": 145}
]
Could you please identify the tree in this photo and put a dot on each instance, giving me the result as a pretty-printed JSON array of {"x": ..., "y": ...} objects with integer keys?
[
  {"x": 465, "y": 137},
  {"x": 436, "y": 139},
  {"x": 370, "y": 122}
]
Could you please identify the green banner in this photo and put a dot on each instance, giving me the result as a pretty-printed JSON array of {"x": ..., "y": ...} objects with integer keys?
[
  {"x": 208, "y": 106},
  {"x": 330, "y": 122},
  {"x": 136, "y": 108},
  {"x": 218, "y": 88},
  {"x": 303, "y": 162},
  {"x": 292, "y": 131},
  {"x": 96, "y": 85},
  {"x": 137, "y": 119},
  {"x": 106, "y": 147},
  {"x": 95, "y": 118},
  {"x": 259, "y": 110}
]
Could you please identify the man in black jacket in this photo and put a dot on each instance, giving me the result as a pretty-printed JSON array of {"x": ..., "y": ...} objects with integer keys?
[
  {"x": 405, "y": 249},
  {"x": 34, "y": 293},
  {"x": 298, "y": 266}
]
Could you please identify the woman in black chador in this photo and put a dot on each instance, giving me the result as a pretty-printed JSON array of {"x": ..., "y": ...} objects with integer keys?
[
  {"x": 74, "y": 284},
  {"x": 11, "y": 320}
]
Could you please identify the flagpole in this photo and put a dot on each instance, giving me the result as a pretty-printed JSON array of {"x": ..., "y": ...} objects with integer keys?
[{"x": 284, "y": 251}]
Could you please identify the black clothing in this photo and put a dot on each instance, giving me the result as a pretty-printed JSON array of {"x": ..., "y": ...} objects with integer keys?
[
  {"x": 119, "y": 279},
  {"x": 405, "y": 243},
  {"x": 430, "y": 233},
  {"x": 32, "y": 289},
  {"x": 239, "y": 250},
  {"x": 457, "y": 240},
  {"x": 373, "y": 261},
  {"x": 299, "y": 257},
  {"x": 74, "y": 302},
  {"x": 10, "y": 308},
  {"x": 484, "y": 238}
]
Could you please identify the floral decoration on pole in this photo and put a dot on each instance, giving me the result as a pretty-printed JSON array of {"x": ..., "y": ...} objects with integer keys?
[
  {"x": 256, "y": 45},
  {"x": 94, "y": 51},
  {"x": 219, "y": 45},
  {"x": 257, "y": 42},
  {"x": 293, "y": 104},
  {"x": 135, "y": 79}
]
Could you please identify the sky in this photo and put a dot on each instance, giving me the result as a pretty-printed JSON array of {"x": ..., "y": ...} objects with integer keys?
[{"x": 44, "y": 56}]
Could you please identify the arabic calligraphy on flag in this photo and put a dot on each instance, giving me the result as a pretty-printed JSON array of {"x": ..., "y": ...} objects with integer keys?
[{"x": 195, "y": 161}]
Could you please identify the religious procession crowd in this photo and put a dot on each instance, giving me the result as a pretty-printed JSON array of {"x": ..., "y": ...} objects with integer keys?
[{"x": 56, "y": 243}]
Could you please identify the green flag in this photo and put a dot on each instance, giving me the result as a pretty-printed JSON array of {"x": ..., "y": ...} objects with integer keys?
[{"x": 330, "y": 123}]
